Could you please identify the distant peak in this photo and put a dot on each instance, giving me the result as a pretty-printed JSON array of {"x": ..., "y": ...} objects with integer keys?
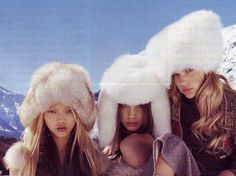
[{"x": 5, "y": 90}]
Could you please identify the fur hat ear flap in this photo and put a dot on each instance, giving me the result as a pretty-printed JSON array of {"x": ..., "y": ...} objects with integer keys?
[
  {"x": 28, "y": 110},
  {"x": 107, "y": 111},
  {"x": 194, "y": 41},
  {"x": 15, "y": 156},
  {"x": 161, "y": 114}
]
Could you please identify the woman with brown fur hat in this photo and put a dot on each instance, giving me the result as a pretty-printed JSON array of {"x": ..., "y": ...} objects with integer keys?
[{"x": 58, "y": 113}]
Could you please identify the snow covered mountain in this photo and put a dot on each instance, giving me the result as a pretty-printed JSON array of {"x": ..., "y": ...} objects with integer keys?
[
  {"x": 228, "y": 68},
  {"x": 9, "y": 121}
]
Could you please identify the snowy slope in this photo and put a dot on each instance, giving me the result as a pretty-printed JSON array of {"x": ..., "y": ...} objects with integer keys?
[
  {"x": 228, "y": 68},
  {"x": 9, "y": 120}
]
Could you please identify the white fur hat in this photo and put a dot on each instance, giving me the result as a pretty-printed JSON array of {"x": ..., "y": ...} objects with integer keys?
[
  {"x": 194, "y": 41},
  {"x": 59, "y": 83},
  {"x": 131, "y": 80}
]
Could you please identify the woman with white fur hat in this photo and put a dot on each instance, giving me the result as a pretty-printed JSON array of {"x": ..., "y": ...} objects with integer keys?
[
  {"x": 58, "y": 113},
  {"x": 203, "y": 105},
  {"x": 133, "y": 110}
]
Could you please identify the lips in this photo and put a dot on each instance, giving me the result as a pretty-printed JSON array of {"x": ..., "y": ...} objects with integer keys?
[
  {"x": 132, "y": 124},
  {"x": 186, "y": 90},
  {"x": 61, "y": 129}
]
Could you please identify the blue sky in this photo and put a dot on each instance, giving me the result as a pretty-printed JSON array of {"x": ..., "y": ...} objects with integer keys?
[{"x": 87, "y": 32}]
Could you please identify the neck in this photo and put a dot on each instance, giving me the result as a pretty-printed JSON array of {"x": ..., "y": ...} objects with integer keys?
[
  {"x": 61, "y": 144},
  {"x": 188, "y": 100}
]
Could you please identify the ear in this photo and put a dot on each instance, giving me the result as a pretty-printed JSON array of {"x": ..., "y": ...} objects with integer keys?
[{"x": 107, "y": 112}]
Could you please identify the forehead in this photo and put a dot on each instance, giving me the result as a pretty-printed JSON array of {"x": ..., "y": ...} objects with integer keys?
[
  {"x": 59, "y": 105},
  {"x": 124, "y": 104}
]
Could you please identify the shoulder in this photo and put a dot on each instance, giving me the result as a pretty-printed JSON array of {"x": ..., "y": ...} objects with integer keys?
[
  {"x": 230, "y": 108},
  {"x": 15, "y": 156},
  {"x": 120, "y": 169},
  {"x": 230, "y": 98},
  {"x": 230, "y": 95}
]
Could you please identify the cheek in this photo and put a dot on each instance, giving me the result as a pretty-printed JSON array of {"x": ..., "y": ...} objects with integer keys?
[
  {"x": 122, "y": 119},
  {"x": 50, "y": 123},
  {"x": 71, "y": 120},
  {"x": 177, "y": 82},
  {"x": 140, "y": 116},
  {"x": 123, "y": 115},
  {"x": 198, "y": 82}
]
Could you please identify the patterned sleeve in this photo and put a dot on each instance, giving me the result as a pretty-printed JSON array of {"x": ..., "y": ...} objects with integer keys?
[{"x": 230, "y": 97}]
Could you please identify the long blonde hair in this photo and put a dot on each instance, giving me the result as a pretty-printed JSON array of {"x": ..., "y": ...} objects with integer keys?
[
  {"x": 211, "y": 106},
  {"x": 32, "y": 137}
]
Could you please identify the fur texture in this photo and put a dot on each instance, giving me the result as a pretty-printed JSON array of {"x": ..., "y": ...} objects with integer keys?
[
  {"x": 58, "y": 83},
  {"x": 195, "y": 41},
  {"x": 132, "y": 81},
  {"x": 15, "y": 157},
  {"x": 119, "y": 169}
]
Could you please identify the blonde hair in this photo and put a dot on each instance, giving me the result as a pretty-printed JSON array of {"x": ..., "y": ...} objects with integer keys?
[
  {"x": 212, "y": 111},
  {"x": 32, "y": 137}
]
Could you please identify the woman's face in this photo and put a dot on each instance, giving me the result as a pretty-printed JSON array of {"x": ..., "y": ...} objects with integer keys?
[
  {"x": 132, "y": 117},
  {"x": 188, "y": 81},
  {"x": 60, "y": 120}
]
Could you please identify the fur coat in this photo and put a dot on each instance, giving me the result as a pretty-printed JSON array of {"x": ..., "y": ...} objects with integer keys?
[{"x": 15, "y": 159}]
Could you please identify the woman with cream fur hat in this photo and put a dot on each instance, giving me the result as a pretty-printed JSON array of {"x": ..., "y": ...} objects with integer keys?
[
  {"x": 58, "y": 113},
  {"x": 133, "y": 110},
  {"x": 203, "y": 105}
]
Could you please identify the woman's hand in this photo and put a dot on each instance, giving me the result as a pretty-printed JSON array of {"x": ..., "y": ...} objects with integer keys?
[
  {"x": 14, "y": 173},
  {"x": 107, "y": 150},
  {"x": 226, "y": 173}
]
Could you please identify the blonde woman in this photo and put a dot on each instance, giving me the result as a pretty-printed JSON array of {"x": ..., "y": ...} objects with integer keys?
[
  {"x": 203, "y": 105},
  {"x": 58, "y": 113},
  {"x": 133, "y": 110}
]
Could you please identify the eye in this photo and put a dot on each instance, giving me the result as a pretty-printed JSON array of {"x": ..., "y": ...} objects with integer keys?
[
  {"x": 51, "y": 111},
  {"x": 139, "y": 106},
  {"x": 188, "y": 70},
  {"x": 175, "y": 75},
  {"x": 68, "y": 111}
]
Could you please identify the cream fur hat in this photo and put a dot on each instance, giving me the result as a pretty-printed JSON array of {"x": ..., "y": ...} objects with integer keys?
[
  {"x": 131, "y": 80},
  {"x": 59, "y": 83},
  {"x": 194, "y": 41}
]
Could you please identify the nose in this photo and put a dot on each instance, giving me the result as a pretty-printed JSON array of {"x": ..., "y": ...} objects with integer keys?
[
  {"x": 182, "y": 80},
  {"x": 132, "y": 112},
  {"x": 60, "y": 117}
]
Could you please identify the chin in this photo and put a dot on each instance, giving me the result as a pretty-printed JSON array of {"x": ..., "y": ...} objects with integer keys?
[
  {"x": 190, "y": 96},
  {"x": 62, "y": 135}
]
